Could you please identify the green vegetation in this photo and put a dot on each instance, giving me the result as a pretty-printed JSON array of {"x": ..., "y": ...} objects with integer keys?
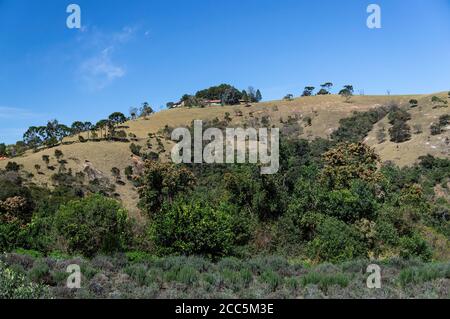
[
  {"x": 400, "y": 131},
  {"x": 333, "y": 201},
  {"x": 356, "y": 127},
  {"x": 347, "y": 92},
  {"x": 92, "y": 225},
  {"x": 424, "y": 273},
  {"x": 194, "y": 228},
  {"x": 14, "y": 285},
  {"x": 438, "y": 128},
  {"x": 413, "y": 103},
  {"x": 225, "y": 93},
  {"x": 308, "y": 91},
  {"x": 137, "y": 275}
]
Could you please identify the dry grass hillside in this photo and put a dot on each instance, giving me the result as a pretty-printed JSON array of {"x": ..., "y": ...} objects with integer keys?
[{"x": 324, "y": 112}]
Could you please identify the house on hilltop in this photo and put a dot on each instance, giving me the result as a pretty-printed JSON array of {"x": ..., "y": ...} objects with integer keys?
[{"x": 213, "y": 102}]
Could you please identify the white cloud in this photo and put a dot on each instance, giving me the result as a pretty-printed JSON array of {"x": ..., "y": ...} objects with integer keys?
[
  {"x": 125, "y": 35},
  {"x": 16, "y": 113},
  {"x": 99, "y": 69}
]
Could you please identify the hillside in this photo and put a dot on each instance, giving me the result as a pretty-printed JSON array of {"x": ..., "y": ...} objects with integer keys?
[{"x": 325, "y": 113}]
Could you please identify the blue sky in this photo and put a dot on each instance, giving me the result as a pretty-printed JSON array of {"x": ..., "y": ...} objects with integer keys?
[{"x": 128, "y": 52}]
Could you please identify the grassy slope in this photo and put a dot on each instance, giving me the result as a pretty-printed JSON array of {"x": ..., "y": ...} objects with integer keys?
[{"x": 325, "y": 111}]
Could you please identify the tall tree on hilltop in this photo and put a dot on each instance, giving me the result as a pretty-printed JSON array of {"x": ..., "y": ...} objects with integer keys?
[
  {"x": 146, "y": 110},
  {"x": 117, "y": 118},
  {"x": 77, "y": 127},
  {"x": 102, "y": 125},
  {"x": 347, "y": 92},
  {"x": 258, "y": 96},
  {"x": 251, "y": 94},
  {"x": 245, "y": 96},
  {"x": 33, "y": 137},
  {"x": 87, "y": 127},
  {"x": 308, "y": 91}
]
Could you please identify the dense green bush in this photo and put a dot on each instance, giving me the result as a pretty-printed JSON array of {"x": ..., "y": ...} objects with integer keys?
[
  {"x": 15, "y": 286},
  {"x": 11, "y": 236},
  {"x": 16, "y": 199},
  {"x": 415, "y": 246},
  {"x": 355, "y": 128},
  {"x": 160, "y": 183},
  {"x": 91, "y": 225},
  {"x": 265, "y": 196},
  {"x": 12, "y": 167},
  {"x": 350, "y": 205},
  {"x": 336, "y": 242},
  {"x": 400, "y": 132},
  {"x": 398, "y": 115},
  {"x": 193, "y": 228}
]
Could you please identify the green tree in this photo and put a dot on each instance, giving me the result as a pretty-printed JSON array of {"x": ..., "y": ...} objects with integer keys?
[
  {"x": 146, "y": 110},
  {"x": 88, "y": 127},
  {"x": 347, "y": 162},
  {"x": 357, "y": 202},
  {"x": 77, "y": 127},
  {"x": 308, "y": 91},
  {"x": 117, "y": 118},
  {"x": 55, "y": 132},
  {"x": 34, "y": 137},
  {"x": 92, "y": 225},
  {"x": 245, "y": 97},
  {"x": 102, "y": 125},
  {"x": 398, "y": 115},
  {"x": 231, "y": 96},
  {"x": 258, "y": 96},
  {"x": 161, "y": 182},
  {"x": 347, "y": 92},
  {"x": 400, "y": 132},
  {"x": 265, "y": 196},
  {"x": 415, "y": 246},
  {"x": 218, "y": 92},
  {"x": 194, "y": 228},
  {"x": 326, "y": 87},
  {"x": 336, "y": 242}
]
